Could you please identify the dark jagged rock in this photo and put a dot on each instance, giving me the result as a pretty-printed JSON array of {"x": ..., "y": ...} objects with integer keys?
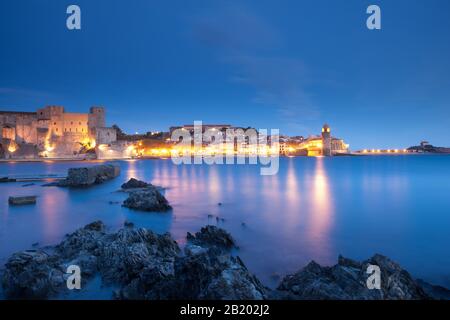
[
  {"x": 210, "y": 275},
  {"x": 212, "y": 236},
  {"x": 435, "y": 292},
  {"x": 145, "y": 265},
  {"x": 347, "y": 281},
  {"x": 128, "y": 224},
  {"x": 87, "y": 239},
  {"x": 134, "y": 184},
  {"x": 202, "y": 274},
  {"x": 129, "y": 251},
  {"x": 148, "y": 199},
  {"x": 32, "y": 274},
  {"x": 88, "y": 176}
]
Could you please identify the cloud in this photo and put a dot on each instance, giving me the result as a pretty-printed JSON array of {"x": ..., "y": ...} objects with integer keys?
[{"x": 251, "y": 46}]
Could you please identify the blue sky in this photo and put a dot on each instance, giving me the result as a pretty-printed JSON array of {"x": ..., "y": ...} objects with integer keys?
[{"x": 291, "y": 65}]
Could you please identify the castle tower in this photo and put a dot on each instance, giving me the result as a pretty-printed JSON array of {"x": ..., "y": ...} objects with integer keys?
[
  {"x": 96, "y": 117},
  {"x": 326, "y": 140}
]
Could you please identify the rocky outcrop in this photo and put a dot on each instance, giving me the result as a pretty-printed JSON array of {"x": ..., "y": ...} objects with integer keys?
[
  {"x": 211, "y": 236},
  {"x": 88, "y": 176},
  {"x": 148, "y": 199},
  {"x": 347, "y": 281},
  {"x": 135, "y": 184},
  {"x": 145, "y": 265}
]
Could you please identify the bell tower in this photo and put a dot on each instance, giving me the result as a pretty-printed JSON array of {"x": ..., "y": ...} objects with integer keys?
[{"x": 326, "y": 140}]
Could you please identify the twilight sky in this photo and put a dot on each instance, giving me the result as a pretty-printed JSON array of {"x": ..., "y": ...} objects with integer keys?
[{"x": 291, "y": 65}]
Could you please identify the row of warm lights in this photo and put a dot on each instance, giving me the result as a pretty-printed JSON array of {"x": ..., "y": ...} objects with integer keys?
[
  {"x": 384, "y": 151},
  {"x": 211, "y": 150}
]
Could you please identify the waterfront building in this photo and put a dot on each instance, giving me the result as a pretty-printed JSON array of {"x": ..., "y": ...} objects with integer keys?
[
  {"x": 52, "y": 132},
  {"x": 323, "y": 145}
]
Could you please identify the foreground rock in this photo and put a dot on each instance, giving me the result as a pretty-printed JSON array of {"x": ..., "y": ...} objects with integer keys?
[
  {"x": 145, "y": 265},
  {"x": 88, "y": 176},
  {"x": 148, "y": 199},
  {"x": 18, "y": 201},
  {"x": 435, "y": 292},
  {"x": 32, "y": 274},
  {"x": 135, "y": 184},
  {"x": 347, "y": 281}
]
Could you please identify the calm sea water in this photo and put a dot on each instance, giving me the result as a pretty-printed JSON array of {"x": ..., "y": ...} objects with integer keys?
[{"x": 313, "y": 209}]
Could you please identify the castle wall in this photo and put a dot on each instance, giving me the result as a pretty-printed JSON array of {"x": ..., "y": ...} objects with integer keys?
[
  {"x": 105, "y": 135},
  {"x": 26, "y": 127},
  {"x": 52, "y": 132},
  {"x": 116, "y": 150},
  {"x": 75, "y": 123}
]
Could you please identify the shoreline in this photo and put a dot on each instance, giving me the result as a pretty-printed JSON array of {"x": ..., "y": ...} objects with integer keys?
[{"x": 167, "y": 158}]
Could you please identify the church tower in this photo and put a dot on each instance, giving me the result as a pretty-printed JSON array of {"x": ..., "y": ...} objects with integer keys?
[{"x": 326, "y": 140}]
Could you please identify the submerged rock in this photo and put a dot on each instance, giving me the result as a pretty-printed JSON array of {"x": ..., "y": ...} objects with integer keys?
[
  {"x": 84, "y": 177},
  {"x": 28, "y": 185},
  {"x": 148, "y": 199},
  {"x": 134, "y": 184},
  {"x": 347, "y": 281},
  {"x": 18, "y": 201}
]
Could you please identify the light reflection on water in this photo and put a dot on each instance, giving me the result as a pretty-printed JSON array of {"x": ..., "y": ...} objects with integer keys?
[{"x": 314, "y": 208}]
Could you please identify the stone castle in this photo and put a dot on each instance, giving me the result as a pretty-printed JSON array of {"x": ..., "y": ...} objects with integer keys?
[{"x": 51, "y": 132}]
